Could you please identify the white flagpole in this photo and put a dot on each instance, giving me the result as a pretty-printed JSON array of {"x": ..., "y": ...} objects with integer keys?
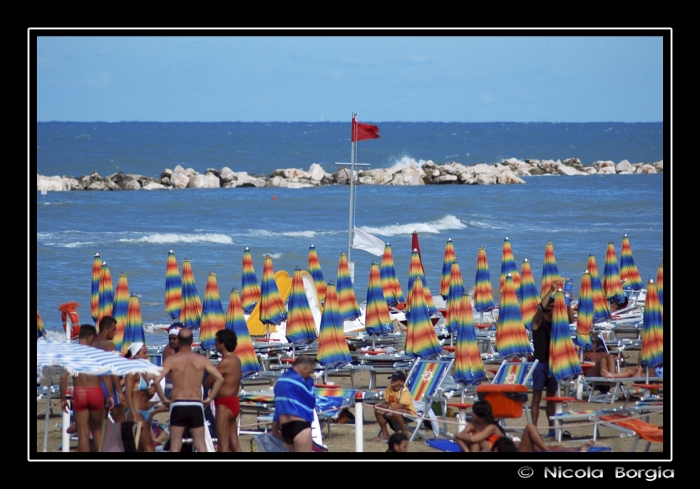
[{"x": 351, "y": 221}]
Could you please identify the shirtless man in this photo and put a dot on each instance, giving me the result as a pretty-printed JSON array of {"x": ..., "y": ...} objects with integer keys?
[
  {"x": 103, "y": 341},
  {"x": 88, "y": 400},
  {"x": 186, "y": 405},
  {"x": 172, "y": 348},
  {"x": 226, "y": 403}
]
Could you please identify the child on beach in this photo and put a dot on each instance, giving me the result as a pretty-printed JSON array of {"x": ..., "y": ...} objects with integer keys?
[
  {"x": 397, "y": 399},
  {"x": 398, "y": 442}
]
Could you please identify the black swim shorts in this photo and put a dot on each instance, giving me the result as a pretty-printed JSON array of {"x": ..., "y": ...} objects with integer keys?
[
  {"x": 291, "y": 429},
  {"x": 187, "y": 414}
]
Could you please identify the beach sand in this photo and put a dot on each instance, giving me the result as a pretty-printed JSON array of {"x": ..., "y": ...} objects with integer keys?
[{"x": 342, "y": 437}]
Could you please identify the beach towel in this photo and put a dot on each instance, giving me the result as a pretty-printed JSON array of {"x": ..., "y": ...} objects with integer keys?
[{"x": 444, "y": 445}]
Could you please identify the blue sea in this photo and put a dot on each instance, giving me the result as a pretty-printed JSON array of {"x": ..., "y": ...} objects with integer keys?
[{"x": 134, "y": 230}]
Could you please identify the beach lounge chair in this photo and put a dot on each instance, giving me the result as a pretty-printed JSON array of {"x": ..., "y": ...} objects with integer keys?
[
  {"x": 120, "y": 437},
  {"x": 424, "y": 382},
  {"x": 508, "y": 390},
  {"x": 331, "y": 402},
  {"x": 630, "y": 426}
]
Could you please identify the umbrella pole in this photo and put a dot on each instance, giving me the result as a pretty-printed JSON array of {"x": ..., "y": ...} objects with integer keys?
[
  {"x": 267, "y": 331},
  {"x": 373, "y": 337},
  {"x": 293, "y": 349}
]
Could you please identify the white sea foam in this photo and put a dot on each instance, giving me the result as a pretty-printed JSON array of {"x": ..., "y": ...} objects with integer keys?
[
  {"x": 75, "y": 244},
  {"x": 406, "y": 161},
  {"x": 274, "y": 256},
  {"x": 168, "y": 238},
  {"x": 445, "y": 223}
]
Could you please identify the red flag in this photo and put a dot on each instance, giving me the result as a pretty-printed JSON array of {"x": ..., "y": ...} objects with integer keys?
[{"x": 361, "y": 131}]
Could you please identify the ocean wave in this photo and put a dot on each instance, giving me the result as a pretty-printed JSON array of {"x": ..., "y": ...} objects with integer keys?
[
  {"x": 266, "y": 233},
  {"x": 445, "y": 223},
  {"x": 167, "y": 238},
  {"x": 405, "y": 161}
]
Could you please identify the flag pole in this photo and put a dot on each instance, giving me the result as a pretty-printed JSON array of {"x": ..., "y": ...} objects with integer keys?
[{"x": 351, "y": 221}]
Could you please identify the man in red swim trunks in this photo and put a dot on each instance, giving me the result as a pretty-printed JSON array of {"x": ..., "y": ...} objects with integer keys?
[
  {"x": 88, "y": 400},
  {"x": 227, "y": 404}
]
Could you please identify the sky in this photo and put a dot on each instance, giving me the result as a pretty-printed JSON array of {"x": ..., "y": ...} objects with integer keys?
[{"x": 253, "y": 76}]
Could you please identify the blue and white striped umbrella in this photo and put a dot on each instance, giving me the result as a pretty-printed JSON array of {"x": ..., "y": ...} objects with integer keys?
[{"x": 83, "y": 359}]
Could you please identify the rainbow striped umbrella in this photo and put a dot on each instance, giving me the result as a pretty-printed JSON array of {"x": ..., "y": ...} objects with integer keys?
[
  {"x": 454, "y": 298},
  {"x": 612, "y": 285},
  {"x": 468, "y": 368},
  {"x": 483, "y": 295},
  {"x": 120, "y": 310},
  {"x": 347, "y": 302},
  {"x": 191, "y": 312},
  {"x": 629, "y": 275},
  {"x": 660, "y": 286},
  {"x": 95, "y": 289},
  {"x": 301, "y": 327},
  {"x": 314, "y": 268},
  {"x": 563, "y": 360},
  {"x": 106, "y": 301},
  {"x": 40, "y": 331},
  {"x": 511, "y": 335},
  {"x": 390, "y": 284},
  {"x": 250, "y": 289},
  {"x": 213, "y": 318},
  {"x": 550, "y": 272},
  {"x": 652, "y": 354},
  {"x": 377, "y": 318},
  {"x": 421, "y": 340},
  {"x": 601, "y": 310},
  {"x": 508, "y": 266},
  {"x": 173, "y": 288},
  {"x": 584, "y": 322},
  {"x": 133, "y": 330},
  {"x": 235, "y": 321},
  {"x": 272, "y": 311},
  {"x": 529, "y": 297},
  {"x": 333, "y": 351},
  {"x": 447, "y": 260},
  {"x": 416, "y": 270}
]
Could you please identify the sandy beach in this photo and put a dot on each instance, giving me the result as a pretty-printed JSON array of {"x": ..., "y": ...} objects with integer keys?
[{"x": 342, "y": 436}]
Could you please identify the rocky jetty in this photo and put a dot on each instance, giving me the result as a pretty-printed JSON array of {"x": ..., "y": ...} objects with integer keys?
[{"x": 507, "y": 172}]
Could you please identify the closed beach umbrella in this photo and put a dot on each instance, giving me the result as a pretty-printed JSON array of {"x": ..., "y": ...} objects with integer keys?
[
  {"x": 483, "y": 294},
  {"x": 415, "y": 246},
  {"x": 213, "y": 318},
  {"x": 133, "y": 330},
  {"x": 563, "y": 361},
  {"x": 612, "y": 285},
  {"x": 584, "y": 321},
  {"x": 629, "y": 275},
  {"x": 95, "y": 289},
  {"x": 106, "y": 302},
  {"x": 550, "y": 272},
  {"x": 347, "y": 302},
  {"x": 390, "y": 283},
  {"x": 511, "y": 335},
  {"x": 415, "y": 271},
  {"x": 272, "y": 311},
  {"x": 173, "y": 288},
  {"x": 120, "y": 309},
  {"x": 660, "y": 286},
  {"x": 652, "y": 354},
  {"x": 40, "y": 331},
  {"x": 250, "y": 289},
  {"x": 454, "y": 298},
  {"x": 333, "y": 351},
  {"x": 508, "y": 266},
  {"x": 301, "y": 327},
  {"x": 191, "y": 312},
  {"x": 447, "y": 260},
  {"x": 529, "y": 297},
  {"x": 235, "y": 321},
  {"x": 314, "y": 268},
  {"x": 601, "y": 310},
  {"x": 468, "y": 367},
  {"x": 421, "y": 340},
  {"x": 377, "y": 318}
]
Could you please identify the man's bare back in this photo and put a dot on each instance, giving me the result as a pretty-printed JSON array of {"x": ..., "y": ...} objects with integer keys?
[
  {"x": 230, "y": 368},
  {"x": 187, "y": 372}
]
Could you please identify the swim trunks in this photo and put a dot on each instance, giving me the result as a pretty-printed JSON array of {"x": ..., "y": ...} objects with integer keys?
[
  {"x": 187, "y": 414},
  {"x": 88, "y": 398},
  {"x": 291, "y": 429},
  {"x": 231, "y": 402}
]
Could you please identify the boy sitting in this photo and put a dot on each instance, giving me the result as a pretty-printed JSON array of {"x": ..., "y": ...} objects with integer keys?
[{"x": 398, "y": 400}]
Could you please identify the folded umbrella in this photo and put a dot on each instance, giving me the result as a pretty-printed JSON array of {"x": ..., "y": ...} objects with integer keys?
[
  {"x": 245, "y": 351},
  {"x": 213, "y": 318},
  {"x": 173, "y": 288},
  {"x": 250, "y": 289}
]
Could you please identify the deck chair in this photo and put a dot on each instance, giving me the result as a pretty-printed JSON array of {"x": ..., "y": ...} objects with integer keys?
[
  {"x": 120, "y": 437},
  {"x": 331, "y": 403},
  {"x": 508, "y": 390},
  {"x": 634, "y": 427},
  {"x": 424, "y": 382}
]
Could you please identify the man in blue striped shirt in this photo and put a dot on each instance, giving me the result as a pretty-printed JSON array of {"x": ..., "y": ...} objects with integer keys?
[{"x": 294, "y": 405}]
